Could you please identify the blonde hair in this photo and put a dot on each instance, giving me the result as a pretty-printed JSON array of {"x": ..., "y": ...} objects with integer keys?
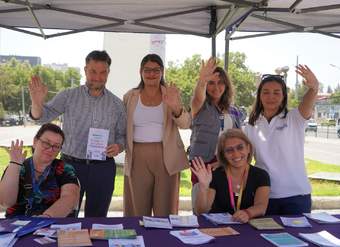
[{"x": 228, "y": 134}]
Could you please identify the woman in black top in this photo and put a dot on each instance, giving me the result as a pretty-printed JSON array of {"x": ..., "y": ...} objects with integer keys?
[{"x": 236, "y": 187}]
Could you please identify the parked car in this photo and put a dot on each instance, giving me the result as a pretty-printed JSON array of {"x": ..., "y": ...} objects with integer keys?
[
  {"x": 12, "y": 121},
  {"x": 311, "y": 125}
]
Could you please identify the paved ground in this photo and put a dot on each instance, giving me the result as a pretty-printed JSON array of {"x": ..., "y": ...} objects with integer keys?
[{"x": 316, "y": 148}]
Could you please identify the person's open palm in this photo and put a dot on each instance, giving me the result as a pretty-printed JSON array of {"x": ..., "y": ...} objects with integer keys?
[
  {"x": 172, "y": 98},
  {"x": 38, "y": 91},
  {"x": 202, "y": 172},
  {"x": 309, "y": 79},
  {"x": 16, "y": 153},
  {"x": 207, "y": 71}
]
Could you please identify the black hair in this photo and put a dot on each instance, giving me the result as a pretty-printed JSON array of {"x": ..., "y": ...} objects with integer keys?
[
  {"x": 155, "y": 59},
  {"x": 98, "y": 56},
  {"x": 258, "y": 107}
]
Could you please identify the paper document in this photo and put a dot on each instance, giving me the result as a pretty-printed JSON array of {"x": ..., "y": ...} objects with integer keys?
[
  {"x": 283, "y": 239},
  {"x": 70, "y": 238},
  {"x": 184, "y": 221},
  {"x": 265, "y": 224},
  {"x": 155, "y": 222},
  {"x": 322, "y": 238},
  {"x": 219, "y": 231},
  {"x": 73, "y": 226},
  {"x": 138, "y": 242},
  {"x": 322, "y": 217},
  {"x": 102, "y": 226},
  {"x": 295, "y": 221},
  {"x": 220, "y": 218},
  {"x": 8, "y": 239},
  {"x": 113, "y": 233},
  {"x": 97, "y": 143},
  {"x": 193, "y": 236}
]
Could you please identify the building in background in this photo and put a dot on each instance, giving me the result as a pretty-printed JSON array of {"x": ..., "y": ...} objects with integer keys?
[
  {"x": 126, "y": 51},
  {"x": 33, "y": 61},
  {"x": 60, "y": 66}
]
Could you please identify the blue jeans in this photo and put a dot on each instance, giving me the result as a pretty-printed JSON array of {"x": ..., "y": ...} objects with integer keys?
[{"x": 290, "y": 205}]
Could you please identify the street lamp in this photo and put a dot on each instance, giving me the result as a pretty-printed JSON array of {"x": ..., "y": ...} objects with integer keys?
[
  {"x": 282, "y": 70},
  {"x": 334, "y": 66}
]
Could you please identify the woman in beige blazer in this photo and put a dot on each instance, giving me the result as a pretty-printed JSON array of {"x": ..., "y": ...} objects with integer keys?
[{"x": 155, "y": 153}]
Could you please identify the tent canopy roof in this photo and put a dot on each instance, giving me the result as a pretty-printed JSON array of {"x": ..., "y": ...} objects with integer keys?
[{"x": 198, "y": 17}]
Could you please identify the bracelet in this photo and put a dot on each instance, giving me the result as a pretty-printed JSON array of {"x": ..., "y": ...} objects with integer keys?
[
  {"x": 248, "y": 213},
  {"x": 14, "y": 162}
]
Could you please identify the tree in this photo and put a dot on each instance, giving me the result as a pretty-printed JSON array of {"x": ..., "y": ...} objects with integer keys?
[
  {"x": 15, "y": 76},
  {"x": 244, "y": 80},
  {"x": 185, "y": 76},
  {"x": 329, "y": 89}
]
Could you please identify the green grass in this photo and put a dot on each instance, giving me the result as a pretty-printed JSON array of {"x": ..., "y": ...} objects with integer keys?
[{"x": 320, "y": 188}]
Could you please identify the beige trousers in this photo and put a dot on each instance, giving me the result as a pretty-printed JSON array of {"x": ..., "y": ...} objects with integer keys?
[{"x": 149, "y": 188}]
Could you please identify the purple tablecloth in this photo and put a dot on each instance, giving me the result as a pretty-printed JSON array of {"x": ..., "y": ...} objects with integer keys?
[{"x": 159, "y": 237}]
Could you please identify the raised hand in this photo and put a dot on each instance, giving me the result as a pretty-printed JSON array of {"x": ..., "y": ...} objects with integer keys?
[
  {"x": 38, "y": 91},
  {"x": 172, "y": 98},
  {"x": 16, "y": 153},
  {"x": 207, "y": 71},
  {"x": 202, "y": 172},
  {"x": 309, "y": 79}
]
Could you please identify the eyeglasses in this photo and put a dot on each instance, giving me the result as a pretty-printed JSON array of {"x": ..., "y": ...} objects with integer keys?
[
  {"x": 268, "y": 77},
  {"x": 230, "y": 150},
  {"x": 47, "y": 145},
  {"x": 154, "y": 70}
]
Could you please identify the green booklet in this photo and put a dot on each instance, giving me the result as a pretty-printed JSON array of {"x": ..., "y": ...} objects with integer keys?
[
  {"x": 113, "y": 234},
  {"x": 283, "y": 239},
  {"x": 265, "y": 224}
]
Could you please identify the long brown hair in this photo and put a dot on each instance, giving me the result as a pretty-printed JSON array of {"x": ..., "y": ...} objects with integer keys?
[
  {"x": 228, "y": 94},
  {"x": 258, "y": 107},
  {"x": 228, "y": 134}
]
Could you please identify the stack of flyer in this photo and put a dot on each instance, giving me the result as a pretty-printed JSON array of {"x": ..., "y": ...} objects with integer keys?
[
  {"x": 154, "y": 222},
  {"x": 220, "y": 218},
  {"x": 193, "y": 236},
  {"x": 137, "y": 242},
  {"x": 295, "y": 221},
  {"x": 283, "y": 239},
  {"x": 265, "y": 224},
  {"x": 322, "y": 238},
  {"x": 322, "y": 218},
  {"x": 184, "y": 221}
]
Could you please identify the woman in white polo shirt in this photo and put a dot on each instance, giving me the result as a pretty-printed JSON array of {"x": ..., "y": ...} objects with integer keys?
[{"x": 278, "y": 137}]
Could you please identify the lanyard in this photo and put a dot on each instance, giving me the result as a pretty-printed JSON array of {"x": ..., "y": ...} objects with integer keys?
[
  {"x": 231, "y": 194},
  {"x": 36, "y": 183},
  {"x": 221, "y": 117}
]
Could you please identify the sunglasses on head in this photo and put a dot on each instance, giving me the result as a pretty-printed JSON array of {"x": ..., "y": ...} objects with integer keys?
[{"x": 269, "y": 77}]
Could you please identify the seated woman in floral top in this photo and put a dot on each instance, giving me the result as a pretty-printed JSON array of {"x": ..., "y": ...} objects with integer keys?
[{"x": 40, "y": 185}]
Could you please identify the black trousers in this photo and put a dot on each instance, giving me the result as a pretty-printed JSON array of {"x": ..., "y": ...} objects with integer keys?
[{"x": 97, "y": 179}]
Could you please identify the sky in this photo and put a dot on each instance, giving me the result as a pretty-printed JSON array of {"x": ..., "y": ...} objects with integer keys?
[{"x": 264, "y": 54}]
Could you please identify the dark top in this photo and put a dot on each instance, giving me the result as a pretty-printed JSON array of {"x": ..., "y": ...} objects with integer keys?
[
  {"x": 48, "y": 191},
  {"x": 206, "y": 127},
  {"x": 257, "y": 177}
]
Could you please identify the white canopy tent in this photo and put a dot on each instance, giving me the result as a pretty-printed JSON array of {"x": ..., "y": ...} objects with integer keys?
[{"x": 197, "y": 17}]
